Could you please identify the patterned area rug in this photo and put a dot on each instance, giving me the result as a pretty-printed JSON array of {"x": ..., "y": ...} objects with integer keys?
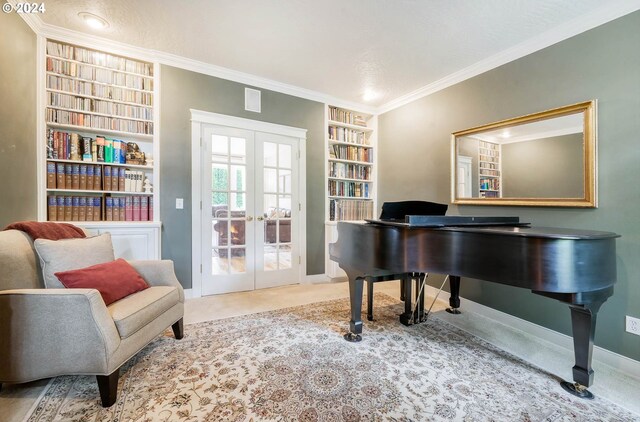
[{"x": 293, "y": 365}]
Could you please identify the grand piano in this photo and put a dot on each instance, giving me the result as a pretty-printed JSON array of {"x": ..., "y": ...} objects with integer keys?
[{"x": 577, "y": 267}]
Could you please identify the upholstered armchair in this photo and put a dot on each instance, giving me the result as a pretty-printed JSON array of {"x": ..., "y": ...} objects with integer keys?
[{"x": 46, "y": 332}]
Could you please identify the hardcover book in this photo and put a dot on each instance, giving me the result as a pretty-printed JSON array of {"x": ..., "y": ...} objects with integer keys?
[
  {"x": 52, "y": 208},
  {"x": 83, "y": 177},
  {"x": 108, "y": 150},
  {"x": 68, "y": 176},
  {"x": 97, "y": 178},
  {"x": 75, "y": 176},
  {"x": 75, "y": 208},
  {"x": 144, "y": 208},
  {"x": 51, "y": 175},
  {"x": 128, "y": 211},
  {"x": 68, "y": 208},
  {"x": 60, "y": 203},
  {"x": 136, "y": 208},
  {"x": 90, "y": 175},
  {"x": 97, "y": 209},
  {"x": 82, "y": 208},
  {"x": 109, "y": 208},
  {"x": 121, "y": 179},
  {"x": 60, "y": 178},
  {"x": 115, "y": 178},
  {"x": 107, "y": 178},
  {"x": 121, "y": 209}
]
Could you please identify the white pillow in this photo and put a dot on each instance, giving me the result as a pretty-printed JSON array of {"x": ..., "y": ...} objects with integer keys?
[{"x": 71, "y": 254}]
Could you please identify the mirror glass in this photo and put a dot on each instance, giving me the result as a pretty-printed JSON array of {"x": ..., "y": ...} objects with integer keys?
[{"x": 545, "y": 159}]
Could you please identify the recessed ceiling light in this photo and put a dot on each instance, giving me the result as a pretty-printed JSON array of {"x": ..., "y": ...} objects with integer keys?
[
  {"x": 369, "y": 95},
  {"x": 96, "y": 22}
]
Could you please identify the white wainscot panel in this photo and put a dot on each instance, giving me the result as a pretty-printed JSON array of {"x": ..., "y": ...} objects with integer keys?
[{"x": 131, "y": 243}]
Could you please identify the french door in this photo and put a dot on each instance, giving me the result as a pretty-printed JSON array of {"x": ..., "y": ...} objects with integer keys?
[{"x": 250, "y": 210}]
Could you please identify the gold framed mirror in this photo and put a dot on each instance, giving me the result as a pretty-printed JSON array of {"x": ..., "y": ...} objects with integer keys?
[{"x": 541, "y": 159}]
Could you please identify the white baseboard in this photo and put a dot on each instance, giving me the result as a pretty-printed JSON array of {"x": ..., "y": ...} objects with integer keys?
[
  {"x": 316, "y": 279},
  {"x": 188, "y": 293},
  {"x": 611, "y": 359}
]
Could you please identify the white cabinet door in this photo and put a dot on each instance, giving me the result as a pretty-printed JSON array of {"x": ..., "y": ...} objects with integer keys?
[{"x": 132, "y": 243}]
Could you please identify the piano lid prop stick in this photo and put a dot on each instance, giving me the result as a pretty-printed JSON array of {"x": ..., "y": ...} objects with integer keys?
[{"x": 424, "y": 281}]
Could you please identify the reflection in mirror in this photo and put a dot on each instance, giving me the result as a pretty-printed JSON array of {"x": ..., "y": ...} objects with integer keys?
[{"x": 546, "y": 158}]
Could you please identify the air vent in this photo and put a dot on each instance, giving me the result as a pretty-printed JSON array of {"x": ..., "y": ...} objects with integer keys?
[{"x": 252, "y": 100}]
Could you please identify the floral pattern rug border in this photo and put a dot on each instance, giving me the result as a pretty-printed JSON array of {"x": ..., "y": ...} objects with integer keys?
[{"x": 293, "y": 365}]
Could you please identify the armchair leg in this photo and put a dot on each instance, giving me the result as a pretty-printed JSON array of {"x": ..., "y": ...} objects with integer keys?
[
  {"x": 178, "y": 329},
  {"x": 108, "y": 386}
]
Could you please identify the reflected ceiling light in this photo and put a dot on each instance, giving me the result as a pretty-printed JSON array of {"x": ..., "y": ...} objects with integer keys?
[
  {"x": 95, "y": 22},
  {"x": 370, "y": 95},
  {"x": 506, "y": 134}
]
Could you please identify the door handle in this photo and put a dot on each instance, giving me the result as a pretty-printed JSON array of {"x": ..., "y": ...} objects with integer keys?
[
  {"x": 260, "y": 218},
  {"x": 249, "y": 218}
]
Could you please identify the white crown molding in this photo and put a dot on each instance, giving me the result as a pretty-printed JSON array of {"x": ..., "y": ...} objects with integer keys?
[{"x": 609, "y": 11}]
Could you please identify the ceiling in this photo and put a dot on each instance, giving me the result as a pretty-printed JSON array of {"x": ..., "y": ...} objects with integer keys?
[{"x": 340, "y": 48}]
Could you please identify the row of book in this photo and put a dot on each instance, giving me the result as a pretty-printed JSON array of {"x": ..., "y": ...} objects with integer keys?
[
  {"x": 349, "y": 171},
  {"x": 489, "y": 184},
  {"x": 98, "y": 106},
  {"x": 488, "y": 159},
  {"x": 347, "y": 152},
  {"x": 63, "y": 145},
  {"x": 80, "y": 54},
  {"x": 344, "y": 134},
  {"x": 90, "y": 177},
  {"x": 488, "y": 172},
  {"x": 66, "y": 117},
  {"x": 108, "y": 92},
  {"x": 489, "y": 152},
  {"x": 97, "y": 74},
  {"x": 339, "y": 115},
  {"x": 349, "y": 210},
  {"x": 484, "y": 165},
  {"x": 89, "y": 208},
  {"x": 489, "y": 194},
  {"x": 350, "y": 189}
]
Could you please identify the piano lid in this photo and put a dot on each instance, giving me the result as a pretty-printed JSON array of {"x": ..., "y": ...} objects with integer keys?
[{"x": 450, "y": 221}]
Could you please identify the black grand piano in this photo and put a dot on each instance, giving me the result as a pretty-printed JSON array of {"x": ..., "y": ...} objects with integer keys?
[{"x": 577, "y": 267}]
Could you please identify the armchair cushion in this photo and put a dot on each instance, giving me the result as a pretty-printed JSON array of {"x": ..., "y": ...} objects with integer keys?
[
  {"x": 139, "y": 309},
  {"x": 114, "y": 280},
  {"x": 71, "y": 254}
]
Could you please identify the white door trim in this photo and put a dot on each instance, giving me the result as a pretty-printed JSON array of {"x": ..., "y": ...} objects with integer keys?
[{"x": 198, "y": 118}]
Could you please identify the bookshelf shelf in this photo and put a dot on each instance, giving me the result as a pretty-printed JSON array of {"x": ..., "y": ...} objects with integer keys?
[
  {"x": 99, "y": 111},
  {"x": 350, "y": 172}
]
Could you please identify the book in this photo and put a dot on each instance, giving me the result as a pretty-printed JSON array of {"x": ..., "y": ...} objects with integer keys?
[
  {"x": 82, "y": 208},
  {"x": 100, "y": 149},
  {"x": 75, "y": 176},
  {"x": 107, "y": 178},
  {"x": 97, "y": 209},
  {"x": 60, "y": 179},
  {"x": 136, "y": 208},
  {"x": 68, "y": 176},
  {"x": 86, "y": 149},
  {"x": 51, "y": 175},
  {"x": 144, "y": 208},
  {"x": 75, "y": 208},
  {"x": 139, "y": 178},
  {"x": 52, "y": 208},
  {"x": 115, "y": 178},
  {"x": 83, "y": 177},
  {"x": 121, "y": 178},
  {"x": 97, "y": 178},
  {"x": 109, "y": 208},
  {"x": 108, "y": 150},
  {"x": 68, "y": 208},
  {"x": 74, "y": 147},
  {"x": 90, "y": 175},
  {"x": 89, "y": 208},
  {"x": 127, "y": 180},
  {"x": 60, "y": 203},
  {"x": 128, "y": 210},
  {"x": 121, "y": 209},
  {"x": 150, "y": 208},
  {"x": 94, "y": 151}
]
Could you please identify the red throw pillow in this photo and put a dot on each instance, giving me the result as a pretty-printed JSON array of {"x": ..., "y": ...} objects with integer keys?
[{"x": 114, "y": 280}]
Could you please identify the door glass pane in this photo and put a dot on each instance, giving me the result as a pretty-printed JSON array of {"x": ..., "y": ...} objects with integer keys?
[
  {"x": 270, "y": 258},
  {"x": 284, "y": 153},
  {"x": 238, "y": 263},
  {"x": 270, "y": 205},
  {"x": 284, "y": 181},
  {"x": 219, "y": 177},
  {"x": 284, "y": 202},
  {"x": 270, "y": 180},
  {"x": 238, "y": 178},
  {"x": 284, "y": 257},
  {"x": 238, "y": 204},
  {"x": 284, "y": 230},
  {"x": 219, "y": 261},
  {"x": 270, "y": 233},
  {"x": 219, "y": 148},
  {"x": 238, "y": 150},
  {"x": 237, "y": 232},
  {"x": 270, "y": 154},
  {"x": 220, "y": 235}
]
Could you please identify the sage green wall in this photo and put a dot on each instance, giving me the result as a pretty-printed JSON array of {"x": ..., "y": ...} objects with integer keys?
[
  {"x": 17, "y": 120},
  {"x": 602, "y": 64},
  {"x": 183, "y": 90},
  {"x": 543, "y": 168}
]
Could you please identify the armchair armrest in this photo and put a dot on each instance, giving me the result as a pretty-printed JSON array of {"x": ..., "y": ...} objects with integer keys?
[
  {"x": 48, "y": 332},
  {"x": 159, "y": 273}
]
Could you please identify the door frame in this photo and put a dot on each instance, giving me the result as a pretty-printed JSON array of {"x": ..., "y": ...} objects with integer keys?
[{"x": 200, "y": 118}]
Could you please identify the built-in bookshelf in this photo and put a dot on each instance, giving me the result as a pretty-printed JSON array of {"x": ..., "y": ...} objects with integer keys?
[
  {"x": 350, "y": 146},
  {"x": 489, "y": 170},
  {"x": 99, "y": 146}
]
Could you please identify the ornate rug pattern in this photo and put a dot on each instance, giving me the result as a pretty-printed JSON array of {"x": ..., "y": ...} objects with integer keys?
[{"x": 293, "y": 365}]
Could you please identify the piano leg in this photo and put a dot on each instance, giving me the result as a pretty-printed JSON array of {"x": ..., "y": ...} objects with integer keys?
[
  {"x": 583, "y": 324},
  {"x": 406, "y": 318},
  {"x": 370, "y": 300},
  {"x": 454, "y": 299},
  {"x": 355, "y": 296}
]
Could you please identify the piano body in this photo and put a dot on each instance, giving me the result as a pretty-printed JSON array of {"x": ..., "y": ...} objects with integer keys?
[{"x": 577, "y": 267}]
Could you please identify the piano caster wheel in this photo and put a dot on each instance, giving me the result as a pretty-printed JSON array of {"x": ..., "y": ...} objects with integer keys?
[
  {"x": 353, "y": 338},
  {"x": 577, "y": 390},
  {"x": 454, "y": 311}
]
